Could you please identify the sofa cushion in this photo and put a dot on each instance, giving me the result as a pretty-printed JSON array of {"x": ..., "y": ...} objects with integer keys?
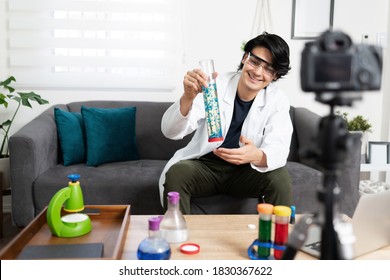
[
  {"x": 71, "y": 133},
  {"x": 110, "y": 134}
]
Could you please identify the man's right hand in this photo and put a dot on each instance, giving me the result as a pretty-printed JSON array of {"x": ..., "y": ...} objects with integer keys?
[{"x": 193, "y": 82}]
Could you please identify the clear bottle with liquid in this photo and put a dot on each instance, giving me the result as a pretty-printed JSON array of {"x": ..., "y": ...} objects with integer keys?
[
  {"x": 210, "y": 97},
  {"x": 154, "y": 247},
  {"x": 173, "y": 226}
]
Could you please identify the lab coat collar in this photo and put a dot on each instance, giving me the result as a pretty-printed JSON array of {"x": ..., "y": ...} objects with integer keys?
[{"x": 231, "y": 91}]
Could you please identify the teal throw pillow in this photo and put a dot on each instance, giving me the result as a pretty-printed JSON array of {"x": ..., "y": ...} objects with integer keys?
[
  {"x": 70, "y": 129},
  {"x": 110, "y": 134}
]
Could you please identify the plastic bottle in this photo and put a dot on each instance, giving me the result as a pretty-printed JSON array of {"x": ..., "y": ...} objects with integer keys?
[
  {"x": 265, "y": 211},
  {"x": 173, "y": 226},
  {"x": 154, "y": 247},
  {"x": 210, "y": 97},
  {"x": 282, "y": 218}
]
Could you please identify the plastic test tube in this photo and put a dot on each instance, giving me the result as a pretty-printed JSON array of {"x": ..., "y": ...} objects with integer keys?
[
  {"x": 265, "y": 211},
  {"x": 210, "y": 97},
  {"x": 282, "y": 218}
]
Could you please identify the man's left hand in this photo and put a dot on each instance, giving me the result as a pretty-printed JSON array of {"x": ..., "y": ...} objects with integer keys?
[{"x": 248, "y": 153}]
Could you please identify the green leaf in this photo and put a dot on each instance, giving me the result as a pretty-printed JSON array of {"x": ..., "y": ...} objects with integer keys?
[
  {"x": 26, "y": 97},
  {"x": 6, "y": 83},
  {"x": 6, "y": 123},
  {"x": 3, "y": 100}
]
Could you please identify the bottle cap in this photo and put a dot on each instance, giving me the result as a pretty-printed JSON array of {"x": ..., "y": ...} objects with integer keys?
[
  {"x": 74, "y": 177},
  {"x": 265, "y": 208},
  {"x": 190, "y": 248},
  {"x": 173, "y": 197},
  {"x": 154, "y": 223},
  {"x": 293, "y": 209},
  {"x": 281, "y": 210}
]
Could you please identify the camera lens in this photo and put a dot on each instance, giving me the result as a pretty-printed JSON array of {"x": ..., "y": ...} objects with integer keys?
[{"x": 336, "y": 41}]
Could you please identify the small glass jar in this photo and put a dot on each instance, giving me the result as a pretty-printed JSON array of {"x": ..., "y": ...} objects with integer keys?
[{"x": 173, "y": 226}]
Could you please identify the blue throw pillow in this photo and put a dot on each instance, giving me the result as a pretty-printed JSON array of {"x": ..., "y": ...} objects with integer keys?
[
  {"x": 110, "y": 134},
  {"x": 70, "y": 129}
]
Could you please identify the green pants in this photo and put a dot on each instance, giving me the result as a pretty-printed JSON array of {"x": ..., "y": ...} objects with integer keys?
[{"x": 205, "y": 177}]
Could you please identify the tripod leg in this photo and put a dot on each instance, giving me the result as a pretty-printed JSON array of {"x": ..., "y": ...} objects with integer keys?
[{"x": 329, "y": 243}]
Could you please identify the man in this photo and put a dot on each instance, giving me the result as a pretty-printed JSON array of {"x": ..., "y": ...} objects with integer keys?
[{"x": 256, "y": 127}]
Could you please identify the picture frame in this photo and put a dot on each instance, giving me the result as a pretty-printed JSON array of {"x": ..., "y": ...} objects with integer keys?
[
  {"x": 310, "y": 18},
  {"x": 378, "y": 152}
]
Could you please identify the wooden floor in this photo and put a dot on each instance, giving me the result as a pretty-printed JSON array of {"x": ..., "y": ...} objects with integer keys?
[{"x": 9, "y": 230}]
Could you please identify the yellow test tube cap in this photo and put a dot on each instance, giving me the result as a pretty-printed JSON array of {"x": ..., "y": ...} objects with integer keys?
[{"x": 281, "y": 210}]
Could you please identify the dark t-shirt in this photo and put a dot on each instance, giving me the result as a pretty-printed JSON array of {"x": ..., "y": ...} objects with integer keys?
[{"x": 240, "y": 111}]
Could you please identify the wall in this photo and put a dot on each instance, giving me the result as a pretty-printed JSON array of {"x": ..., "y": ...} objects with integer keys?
[{"x": 215, "y": 29}]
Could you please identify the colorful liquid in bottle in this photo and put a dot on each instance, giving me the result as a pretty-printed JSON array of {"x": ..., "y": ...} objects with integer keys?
[
  {"x": 154, "y": 248},
  {"x": 281, "y": 238},
  {"x": 154, "y": 256},
  {"x": 264, "y": 236},
  {"x": 213, "y": 118}
]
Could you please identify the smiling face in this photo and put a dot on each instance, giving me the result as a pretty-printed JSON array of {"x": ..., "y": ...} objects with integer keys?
[{"x": 256, "y": 73}]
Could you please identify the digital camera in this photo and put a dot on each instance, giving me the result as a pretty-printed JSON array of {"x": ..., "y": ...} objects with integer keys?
[{"x": 333, "y": 63}]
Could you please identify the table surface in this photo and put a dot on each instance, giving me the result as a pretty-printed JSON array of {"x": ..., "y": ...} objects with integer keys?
[{"x": 221, "y": 237}]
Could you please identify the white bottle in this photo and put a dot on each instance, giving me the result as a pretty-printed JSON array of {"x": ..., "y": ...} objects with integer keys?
[{"x": 173, "y": 227}]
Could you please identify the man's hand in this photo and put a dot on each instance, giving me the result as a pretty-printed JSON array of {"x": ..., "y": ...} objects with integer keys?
[
  {"x": 192, "y": 83},
  {"x": 248, "y": 153}
]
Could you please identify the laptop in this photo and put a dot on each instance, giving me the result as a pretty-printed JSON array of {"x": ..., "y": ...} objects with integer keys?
[{"x": 370, "y": 223}]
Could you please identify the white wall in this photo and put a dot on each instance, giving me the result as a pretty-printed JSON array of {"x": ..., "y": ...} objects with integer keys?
[{"x": 216, "y": 28}]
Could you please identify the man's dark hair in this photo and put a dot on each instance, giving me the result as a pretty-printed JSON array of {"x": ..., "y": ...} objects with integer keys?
[{"x": 279, "y": 50}]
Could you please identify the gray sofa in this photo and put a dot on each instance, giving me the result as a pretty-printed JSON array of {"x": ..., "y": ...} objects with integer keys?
[{"x": 37, "y": 172}]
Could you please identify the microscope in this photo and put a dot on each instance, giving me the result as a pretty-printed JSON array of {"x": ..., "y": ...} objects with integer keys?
[{"x": 70, "y": 200}]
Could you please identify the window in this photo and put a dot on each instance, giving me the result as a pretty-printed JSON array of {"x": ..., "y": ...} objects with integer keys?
[{"x": 111, "y": 44}]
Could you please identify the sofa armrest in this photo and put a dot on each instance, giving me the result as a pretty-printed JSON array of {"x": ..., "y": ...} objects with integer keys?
[
  {"x": 306, "y": 125},
  {"x": 33, "y": 150},
  {"x": 348, "y": 180}
]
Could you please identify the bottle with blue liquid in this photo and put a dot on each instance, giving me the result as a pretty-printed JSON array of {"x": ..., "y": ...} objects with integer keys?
[{"x": 154, "y": 247}]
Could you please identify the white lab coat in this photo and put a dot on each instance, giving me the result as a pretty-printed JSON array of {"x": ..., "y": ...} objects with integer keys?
[{"x": 267, "y": 124}]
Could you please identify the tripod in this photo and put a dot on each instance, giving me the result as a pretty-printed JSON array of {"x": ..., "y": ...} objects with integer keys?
[{"x": 333, "y": 143}]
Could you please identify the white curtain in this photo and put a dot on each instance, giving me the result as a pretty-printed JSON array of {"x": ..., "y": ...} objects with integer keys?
[{"x": 111, "y": 44}]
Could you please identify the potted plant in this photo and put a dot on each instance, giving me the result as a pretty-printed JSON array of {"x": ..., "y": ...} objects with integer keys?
[
  {"x": 8, "y": 94},
  {"x": 361, "y": 125},
  {"x": 358, "y": 123}
]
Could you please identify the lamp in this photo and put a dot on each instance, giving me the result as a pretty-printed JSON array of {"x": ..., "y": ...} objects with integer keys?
[{"x": 70, "y": 225}]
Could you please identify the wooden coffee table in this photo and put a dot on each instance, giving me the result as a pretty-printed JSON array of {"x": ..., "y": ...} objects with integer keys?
[{"x": 221, "y": 237}]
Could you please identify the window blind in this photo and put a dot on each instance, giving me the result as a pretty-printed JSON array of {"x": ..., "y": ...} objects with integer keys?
[{"x": 116, "y": 44}]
